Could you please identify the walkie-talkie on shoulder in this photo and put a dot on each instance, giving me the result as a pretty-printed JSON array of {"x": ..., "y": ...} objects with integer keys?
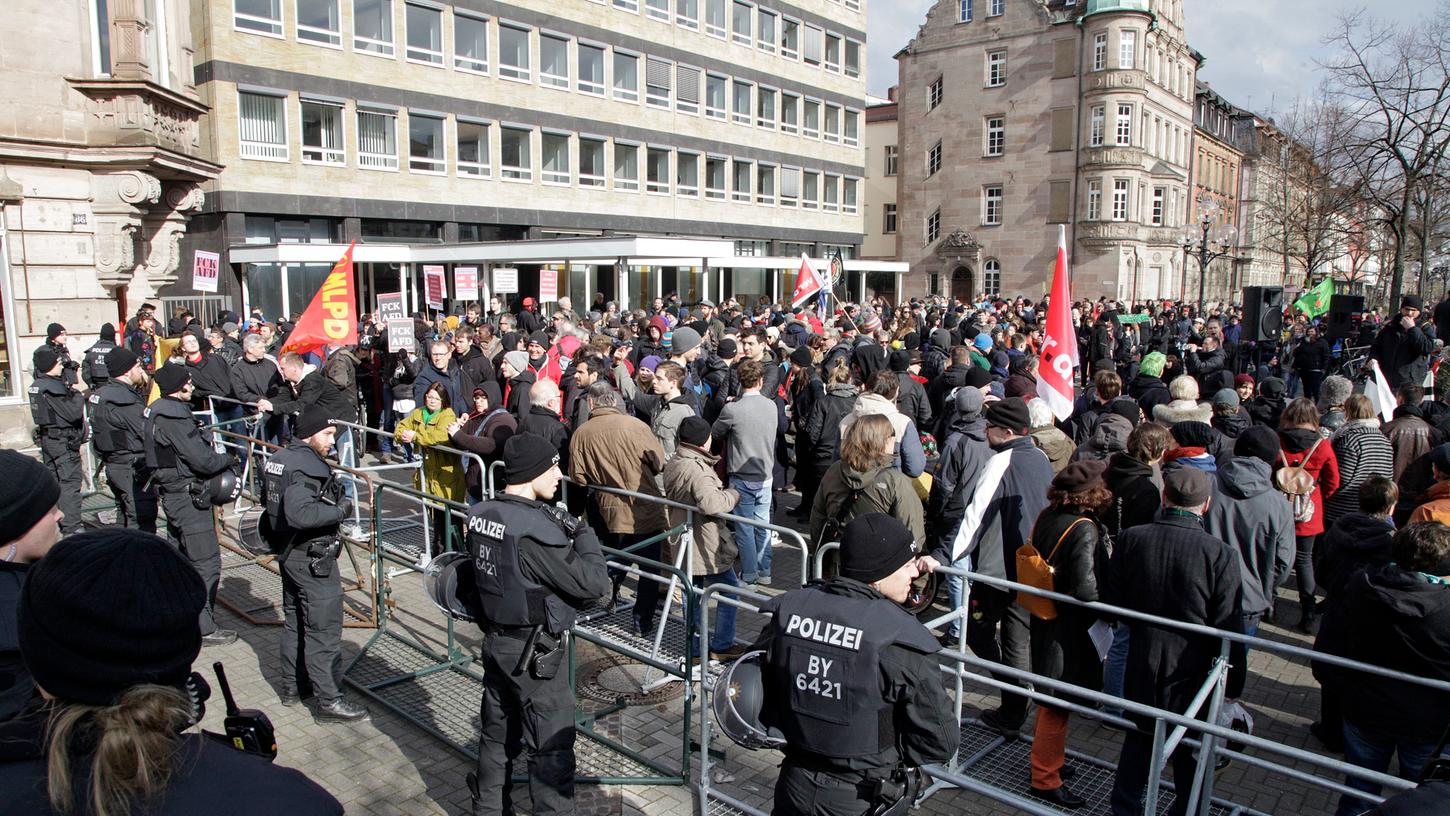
[{"x": 248, "y": 729}]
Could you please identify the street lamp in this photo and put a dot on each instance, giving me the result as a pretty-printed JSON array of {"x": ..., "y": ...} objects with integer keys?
[{"x": 1196, "y": 241}]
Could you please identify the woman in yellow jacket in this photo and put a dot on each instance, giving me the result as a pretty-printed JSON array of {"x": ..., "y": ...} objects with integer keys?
[{"x": 442, "y": 473}]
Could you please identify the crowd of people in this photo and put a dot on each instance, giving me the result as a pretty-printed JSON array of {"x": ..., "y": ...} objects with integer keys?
[{"x": 1201, "y": 469}]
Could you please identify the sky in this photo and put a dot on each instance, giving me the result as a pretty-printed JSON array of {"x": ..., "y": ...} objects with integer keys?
[{"x": 1260, "y": 53}]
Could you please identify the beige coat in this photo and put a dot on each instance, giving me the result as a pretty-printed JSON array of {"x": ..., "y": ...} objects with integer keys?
[
  {"x": 690, "y": 478},
  {"x": 616, "y": 450}
]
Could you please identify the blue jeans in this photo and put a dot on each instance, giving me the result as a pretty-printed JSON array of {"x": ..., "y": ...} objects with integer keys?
[
  {"x": 955, "y": 584},
  {"x": 1372, "y": 750},
  {"x": 1115, "y": 668},
  {"x": 753, "y": 542},
  {"x": 388, "y": 422},
  {"x": 346, "y": 447},
  {"x": 723, "y": 637}
]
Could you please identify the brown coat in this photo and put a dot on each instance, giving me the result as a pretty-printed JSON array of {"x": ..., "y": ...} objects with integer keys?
[
  {"x": 616, "y": 450},
  {"x": 690, "y": 478}
]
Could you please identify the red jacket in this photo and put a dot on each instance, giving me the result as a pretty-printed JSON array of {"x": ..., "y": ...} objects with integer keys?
[{"x": 1323, "y": 466}]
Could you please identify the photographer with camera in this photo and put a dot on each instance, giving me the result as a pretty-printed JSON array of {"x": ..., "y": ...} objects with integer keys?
[
  {"x": 107, "y": 626},
  {"x": 535, "y": 566},
  {"x": 305, "y": 506},
  {"x": 191, "y": 477}
]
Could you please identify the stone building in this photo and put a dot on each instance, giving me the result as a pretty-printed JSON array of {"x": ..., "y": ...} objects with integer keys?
[
  {"x": 1267, "y": 190},
  {"x": 101, "y": 166},
  {"x": 882, "y": 163},
  {"x": 1217, "y": 162},
  {"x": 1017, "y": 117}
]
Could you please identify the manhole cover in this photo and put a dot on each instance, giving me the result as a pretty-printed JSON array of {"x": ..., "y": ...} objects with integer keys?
[{"x": 618, "y": 679}]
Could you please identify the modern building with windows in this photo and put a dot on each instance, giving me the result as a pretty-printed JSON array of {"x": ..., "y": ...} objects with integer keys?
[
  {"x": 422, "y": 122},
  {"x": 1017, "y": 117}
]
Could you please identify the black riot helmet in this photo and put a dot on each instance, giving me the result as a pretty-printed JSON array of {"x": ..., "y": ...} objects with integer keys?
[
  {"x": 222, "y": 488},
  {"x": 737, "y": 701},
  {"x": 449, "y": 583}
]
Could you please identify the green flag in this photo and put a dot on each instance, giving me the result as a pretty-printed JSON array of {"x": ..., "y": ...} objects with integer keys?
[{"x": 1315, "y": 302}]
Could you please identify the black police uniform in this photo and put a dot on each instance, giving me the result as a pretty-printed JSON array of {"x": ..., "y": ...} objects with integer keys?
[
  {"x": 117, "y": 427},
  {"x": 304, "y": 508},
  {"x": 181, "y": 460},
  {"x": 535, "y": 566},
  {"x": 59, "y": 412},
  {"x": 851, "y": 683},
  {"x": 69, "y": 368},
  {"x": 93, "y": 365}
]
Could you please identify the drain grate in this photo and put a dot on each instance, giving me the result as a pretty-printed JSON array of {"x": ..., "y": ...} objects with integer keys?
[{"x": 617, "y": 679}]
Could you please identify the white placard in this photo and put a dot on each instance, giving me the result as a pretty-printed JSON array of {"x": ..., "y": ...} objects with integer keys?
[
  {"x": 465, "y": 282},
  {"x": 506, "y": 280},
  {"x": 205, "y": 269},
  {"x": 548, "y": 285},
  {"x": 400, "y": 336}
]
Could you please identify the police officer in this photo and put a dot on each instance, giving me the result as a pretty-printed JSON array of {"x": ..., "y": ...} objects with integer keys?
[
  {"x": 55, "y": 338},
  {"x": 117, "y": 425},
  {"x": 59, "y": 412},
  {"x": 93, "y": 367},
  {"x": 850, "y": 681},
  {"x": 305, "y": 505},
  {"x": 535, "y": 565},
  {"x": 181, "y": 461}
]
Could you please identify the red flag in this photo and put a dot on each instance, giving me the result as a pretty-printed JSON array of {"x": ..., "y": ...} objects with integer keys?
[
  {"x": 808, "y": 283},
  {"x": 331, "y": 317},
  {"x": 1059, "y": 344}
]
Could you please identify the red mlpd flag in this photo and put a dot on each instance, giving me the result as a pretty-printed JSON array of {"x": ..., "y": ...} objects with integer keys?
[
  {"x": 1059, "y": 345},
  {"x": 331, "y": 317}
]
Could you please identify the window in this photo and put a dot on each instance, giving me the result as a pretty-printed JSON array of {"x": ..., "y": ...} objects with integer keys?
[
  {"x": 848, "y": 195},
  {"x": 101, "y": 47},
  {"x": 715, "y": 18},
  {"x": 810, "y": 190},
  {"x": 765, "y": 184},
  {"x": 262, "y": 16},
  {"x": 742, "y": 172},
  {"x": 789, "y": 113},
  {"x": 1100, "y": 51},
  {"x": 1159, "y": 193},
  {"x": 933, "y": 226},
  {"x": 888, "y": 219},
  {"x": 657, "y": 171},
  {"x": 833, "y": 123},
  {"x": 591, "y": 69},
  {"x": 851, "y": 127},
  {"x": 263, "y": 126},
  {"x": 626, "y": 166},
  {"x": 853, "y": 58},
  {"x": 516, "y": 158},
  {"x": 964, "y": 11},
  {"x": 996, "y": 69},
  {"x": 687, "y": 13},
  {"x": 1095, "y": 129},
  {"x": 377, "y": 140},
  {"x": 741, "y": 29},
  {"x": 687, "y": 173},
  {"x": 992, "y": 205},
  {"x": 992, "y": 277},
  {"x": 372, "y": 26},
  {"x": 933, "y": 159},
  {"x": 715, "y": 178},
  {"x": 740, "y": 106},
  {"x": 591, "y": 162},
  {"x": 811, "y": 119},
  {"x": 815, "y": 45},
  {"x": 425, "y": 144},
  {"x": 934, "y": 94},
  {"x": 893, "y": 156},
  {"x": 470, "y": 43},
  {"x": 765, "y": 31},
  {"x": 765, "y": 107},
  {"x": 687, "y": 89},
  {"x": 833, "y": 53},
  {"x": 1125, "y": 123},
  {"x": 554, "y": 156},
  {"x": 1094, "y": 200},
  {"x": 790, "y": 38},
  {"x": 995, "y": 7},
  {"x": 317, "y": 21},
  {"x": 322, "y": 140},
  {"x": 1127, "y": 49},
  {"x": 657, "y": 82},
  {"x": 830, "y": 194},
  {"x": 631, "y": 6},
  {"x": 658, "y": 9},
  {"x": 513, "y": 52},
  {"x": 715, "y": 96},
  {"x": 425, "y": 34},
  {"x": 472, "y": 149},
  {"x": 553, "y": 61},
  {"x": 626, "y": 76},
  {"x": 996, "y": 135},
  {"x": 1120, "y": 199}
]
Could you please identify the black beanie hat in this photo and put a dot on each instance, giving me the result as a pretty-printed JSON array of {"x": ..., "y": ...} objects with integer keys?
[
  {"x": 1192, "y": 434},
  {"x": 541, "y": 337},
  {"x": 108, "y": 332},
  {"x": 119, "y": 360},
  {"x": 313, "y": 419},
  {"x": 1260, "y": 442},
  {"x": 109, "y": 609},
  {"x": 53, "y": 331},
  {"x": 727, "y": 348},
  {"x": 526, "y": 457},
  {"x": 694, "y": 431},
  {"x": 978, "y": 377},
  {"x": 1011, "y": 414},
  {"x": 171, "y": 377},
  {"x": 44, "y": 359},
  {"x": 802, "y": 356},
  {"x": 911, "y": 341},
  {"x": 27, "y": 492},
  {"x": 873, "y": 546},
  {"x": 900, "y": 360}
]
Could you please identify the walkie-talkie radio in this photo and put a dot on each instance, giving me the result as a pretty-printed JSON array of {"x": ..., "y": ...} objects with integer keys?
[{"x": 248, "y": 729}]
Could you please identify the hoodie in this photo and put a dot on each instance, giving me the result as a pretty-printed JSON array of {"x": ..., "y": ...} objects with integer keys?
[
  {"x": 1252, "y": 516},
  {"x": 1355, "y": 542},
  {"x": 1108, "y": 437},
  {"x": 1137, "y": 489},
  {"x": 1230, "y": 425},
  {"x": 846, "y": 493}
]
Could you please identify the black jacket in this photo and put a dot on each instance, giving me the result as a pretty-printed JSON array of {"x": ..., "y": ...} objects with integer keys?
[
  {"x": 1402, "y": 353},
  {"x": 543, "y": 422},
  {"x": 952, "y": 378},
  {"x": 1007, "y": 522},
  {"x": 1355, "y": 542},
  {"x": 314, "y": 389},
  {"x": 256, "y": 380},
  {"x": 1137, "y": 494},
  {"x": 16, "y": 686},
  {"x": 1149, "y": 392},
  {"x": 911, "y": 400},
  {"x": 1311, "y": 355},
  {"x": 1061, "y": 648},
  {"x": 477, "y": 369},
  {"x": 212, "y": 377},
  {"x": 175, "y": 447}
]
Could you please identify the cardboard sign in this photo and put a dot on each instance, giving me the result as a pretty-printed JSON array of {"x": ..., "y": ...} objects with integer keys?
[
  {"x": 400, "y": 336},
  {"x": 506, "y": 280},
  {"x": 548, "y": 285},
  {"x": 390, "y": 307},
  {"x": 205, "y": 269},
  {"x": 435, "y": 285},
  {"x": 465, "y": 282}
]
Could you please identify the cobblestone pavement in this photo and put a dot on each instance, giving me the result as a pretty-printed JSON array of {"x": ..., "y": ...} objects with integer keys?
[{"x": 392, "y": 766}]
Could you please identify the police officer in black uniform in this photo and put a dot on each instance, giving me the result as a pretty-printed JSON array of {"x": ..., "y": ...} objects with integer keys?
[
  {"x": 117, "y": 426},
  {"x": 55, "y": 338},
  {"x": 93, "y": 366},
  {"x": 535, "y": 566},
  {"x": 181, "y": 462},
  {"x": 305, "y": 505},
  {"x": 850, "y": 681},
  {"x": 59, "y": 412}
]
